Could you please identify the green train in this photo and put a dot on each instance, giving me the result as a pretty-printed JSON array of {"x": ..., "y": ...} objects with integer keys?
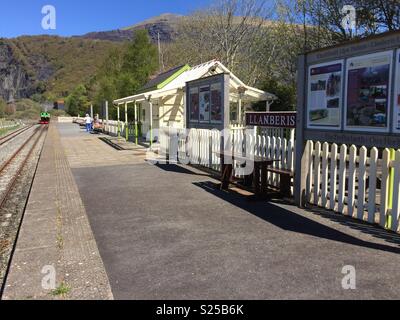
[{"x": 44, "y": 118}]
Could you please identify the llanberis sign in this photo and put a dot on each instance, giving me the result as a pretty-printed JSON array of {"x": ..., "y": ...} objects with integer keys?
[{"x": 271, "y": 119}]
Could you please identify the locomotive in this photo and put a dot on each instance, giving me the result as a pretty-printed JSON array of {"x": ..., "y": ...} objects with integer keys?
[{"x": 44, "y": 118}]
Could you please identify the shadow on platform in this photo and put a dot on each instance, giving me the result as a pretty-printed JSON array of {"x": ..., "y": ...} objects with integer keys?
[{"x": 291, "y": 221}]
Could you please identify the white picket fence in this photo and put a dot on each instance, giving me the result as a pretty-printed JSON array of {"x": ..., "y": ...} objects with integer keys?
[
  {"x": 355, "y": 182},
  {"x": 200, "y": 146}
]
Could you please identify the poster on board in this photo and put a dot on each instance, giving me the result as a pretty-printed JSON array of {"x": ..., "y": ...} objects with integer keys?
[
  {"x": 325, "y": 95},
  {"x": 396, "y": 115},
  {"x": 216, "y": 102},
  {"x": 368, "y": 92},
  {"x": 194, "y": 104},
  {"x": 204, "y": 104}
]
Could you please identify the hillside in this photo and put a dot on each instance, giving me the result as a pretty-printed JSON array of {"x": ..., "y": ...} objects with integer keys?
[
  {"x": 51, "y": 64},
  {"x": 164, "y": 25}
]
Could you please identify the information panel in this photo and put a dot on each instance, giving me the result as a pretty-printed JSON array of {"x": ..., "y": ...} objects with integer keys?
[
  {"x": 204, "y": 114},
  {"x": 216, "y": 103},
  {"x": 324, "y": 101},
  {"x": 368, "y": 92},
  {"x": 194, "y": 104},
  {"x": 208, "y": 102},
  {"x": 396, "y": 112}
]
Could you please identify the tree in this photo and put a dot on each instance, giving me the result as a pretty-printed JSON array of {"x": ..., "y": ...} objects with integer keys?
[
  {"x": 124, "y": 71},
  {"x": 77, "y": 101},
  {"x": 141, "y": 58},
  {"x": 236, "y": 32},
  {"x": 372, "y": 16}
]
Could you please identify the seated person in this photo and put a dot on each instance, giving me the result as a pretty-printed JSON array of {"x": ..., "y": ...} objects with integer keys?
[{"x": 97, "y": 125}]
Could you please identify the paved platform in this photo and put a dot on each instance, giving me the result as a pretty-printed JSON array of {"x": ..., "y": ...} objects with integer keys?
[
  {"x": 165, "y": 232},
  {"x": 56, "y": 233}
]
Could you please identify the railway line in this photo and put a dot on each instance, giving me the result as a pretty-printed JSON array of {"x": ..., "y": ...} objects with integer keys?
[
  {"x": 20, "y": 152},
  {"x": 12, "y": 167},
  {"x": 12, "y": 135}
]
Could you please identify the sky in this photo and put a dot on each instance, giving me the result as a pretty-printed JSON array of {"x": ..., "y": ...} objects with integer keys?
[{"x": 76, "y": 17}]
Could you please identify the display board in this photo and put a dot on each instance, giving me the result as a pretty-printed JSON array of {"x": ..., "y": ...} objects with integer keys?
[
  {"x": 207, "y": 102},
  {"x": 368, "y": 91},
  {"x": 396, "y": 109},
  {"x": 324, "y": 102},
  {"x": 347, "y": 93}
]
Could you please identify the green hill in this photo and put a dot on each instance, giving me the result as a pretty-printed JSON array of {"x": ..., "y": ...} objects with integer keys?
[{"x": 48, "y": 65}]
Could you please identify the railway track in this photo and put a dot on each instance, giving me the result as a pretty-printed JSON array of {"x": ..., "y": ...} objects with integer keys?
[
  {"x": 12, "y": 135},
  {"x": 17, "y": 171},
  {"x": 11, "y": 168}
]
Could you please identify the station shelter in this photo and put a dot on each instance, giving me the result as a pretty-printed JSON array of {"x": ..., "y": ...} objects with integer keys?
[{"x": 162, "y": 103}]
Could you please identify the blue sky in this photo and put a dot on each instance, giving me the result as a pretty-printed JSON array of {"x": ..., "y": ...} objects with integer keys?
[{"x": 75, "y": 17}]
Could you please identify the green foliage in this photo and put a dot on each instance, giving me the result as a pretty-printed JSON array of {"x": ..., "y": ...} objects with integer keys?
[
  {"x": 77, "y": 102},
  {"x": 57, "y": 113},
  {"x": 141, "y": 57},
  {"x": 285, "y": 93},
  {"x": 63, "y": 62},
  {"x": 25, "y": 109},
  {"x": 62, "y": 290},
  {"x": 3, "y": 106},
  {"x": 124, "y": 71}
]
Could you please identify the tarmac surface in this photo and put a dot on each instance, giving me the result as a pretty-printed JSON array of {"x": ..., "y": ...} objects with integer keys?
[{"x": 166, "y": 232}]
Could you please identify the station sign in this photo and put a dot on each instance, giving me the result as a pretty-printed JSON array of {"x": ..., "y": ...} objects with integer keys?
[{"x": 271, "y": 119}]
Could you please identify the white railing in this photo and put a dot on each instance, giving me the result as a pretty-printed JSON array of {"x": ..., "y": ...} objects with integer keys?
[
  {"x": 361, "y": 183},
  {"x": 200, "y": 146}
]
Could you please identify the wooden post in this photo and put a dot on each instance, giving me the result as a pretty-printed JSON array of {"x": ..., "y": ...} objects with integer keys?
[
  {"x": 390, "y": 189},
  {"x": 302, "y": 155},
  {"x": 151, "y": 123},
  {"x": 126, "y": 122},
  {"x": 119, "y": 125},
  {"x": 136, "y": 123},
  {"x": 240, "y": 109},
  {"x": 108, "y": 128}
]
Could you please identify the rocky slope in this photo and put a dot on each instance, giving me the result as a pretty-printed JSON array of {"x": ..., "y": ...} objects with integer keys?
[
  {"x": 14, "y": 80},
  {"x": 164, "y": 25},
  {"x": 55, "y": 65}
]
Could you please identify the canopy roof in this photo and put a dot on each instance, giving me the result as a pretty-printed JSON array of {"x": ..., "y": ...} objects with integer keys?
[
  {"x": 161, "y": 80},
  {"x": 213, "y": 67}
]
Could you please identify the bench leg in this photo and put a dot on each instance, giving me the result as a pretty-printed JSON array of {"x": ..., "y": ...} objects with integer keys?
[
  {"x": 285, "y": 185},
  {"x": 256, "y": 179},
  {"x": 226, "y": 176},
  {"x": 264, "y": 183}
]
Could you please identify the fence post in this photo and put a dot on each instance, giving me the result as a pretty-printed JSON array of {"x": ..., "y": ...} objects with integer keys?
[
  {"x": 373, "y": 159},
  {"x": 384, "y": 187},
  {"x": 317, "y": 171},
  {"x": 333, "y": 177},
  {"x": 342, "y": 178},
  {"x": 352, "y": 180},
  {"x": 301, "y": 151},
  {"x": 361, "y": 183},
  {"x": 396, "y": 192}
]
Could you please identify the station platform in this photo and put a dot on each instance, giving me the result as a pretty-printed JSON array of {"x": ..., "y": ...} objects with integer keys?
[
  {"x": 56, "y": 235},
  {"x": 116, "y": 226}
]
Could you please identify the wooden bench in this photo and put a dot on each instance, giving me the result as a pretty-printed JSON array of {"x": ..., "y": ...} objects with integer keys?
[
  {"x": 260, "y": 166},
  {"x": 285, "y": 177}
]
